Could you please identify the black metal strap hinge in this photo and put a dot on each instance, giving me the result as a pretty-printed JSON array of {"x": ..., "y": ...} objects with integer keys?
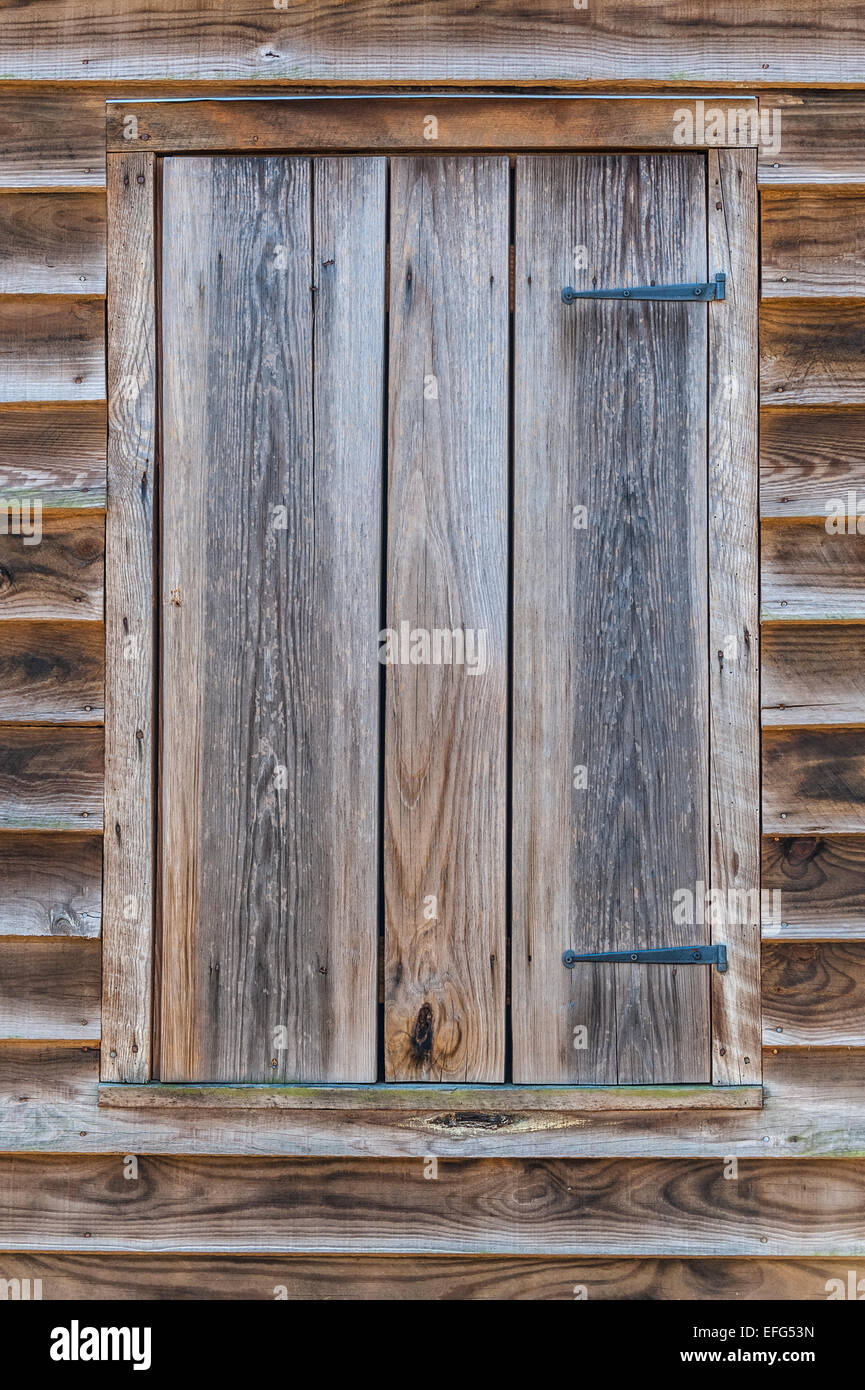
[
  {"x": 659, "y": 955},
  {"x": 713, "y": 289}
]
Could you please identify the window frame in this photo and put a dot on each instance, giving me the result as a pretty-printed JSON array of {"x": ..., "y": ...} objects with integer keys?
[{"x": 138, "y": 135}]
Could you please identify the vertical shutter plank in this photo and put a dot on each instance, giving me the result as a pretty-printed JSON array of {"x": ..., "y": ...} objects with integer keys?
[
  {"x": 445, "y": 727},
  {"x": 271, "y": 555},
  {"x": 610, "y": 620}
]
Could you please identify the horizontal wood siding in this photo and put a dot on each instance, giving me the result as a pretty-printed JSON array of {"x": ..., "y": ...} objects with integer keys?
[
  {"x": 52, "y": 349},
  {"x": 50, "y": 884},
  {"x": 52, "y": 243},
  {"x": 49, "y": 989}
]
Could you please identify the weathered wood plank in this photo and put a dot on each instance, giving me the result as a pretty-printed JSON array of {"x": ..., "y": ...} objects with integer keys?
[
  {"x": 51, "y": 139},
  {"x": 434, "y": 124},
  {"x": 130, "y": 735},
  {"x": 52, "y": 672},
  {"x": 811, "y": 352},
  {"x": 813, "y": 1105},
  {"x": 52, "y": 243},
  {"x": 634, "y": 1207},
  {"x": 821, "y": 881},
  {"x": 59, "y": 578},
  {"x": 734, "y": 603},
  {"x": 610, "y": 774},
  {"x": 51, "y": 778},
  {"x": 49, "y": 989},
  {"x": 811, "y": 574},
  {"x": 813, "y": 674},
  {"x": 270, "y": 686},
  {"x": 812, "y": 242},
  {"x": 813, "y": 781},
  {"x": 808, "y": 457},
  {"x": 52, "y": 349},
  {"x": 425, "y": 1278},
  {"x": 393, "y": 42},
  {"x": 822, "y": 138},
  {"x": 50, "y": 885},
  {"x": 429, "y": 1097},
  {"x": 447, "y": 566},
  {"x": 814, "y": 994},
  {"x": 55, "y": 453}
]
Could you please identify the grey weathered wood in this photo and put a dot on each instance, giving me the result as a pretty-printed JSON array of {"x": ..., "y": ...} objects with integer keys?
[
  {"x": 128, "y": 893},
  {"x": 808, "y": 456},
  {"x": 811, "y": 574},
  {"x": 52, "y": 243},
  {"x": 52, "y": 348},
  {"x": 610, "y": 621},
  {"x": 734, "y": 627},
  {"x": 426, "y": 1097},
  {"x": 50, "y": 777},
  {"x": 812, "y": 242},
  {"x": 49, "y": 989},
  {"x": 445, "y": 724},
  {"x": 813, "y": 673},
  {"x": 55, "y": 453},
  {"x": 271, "y": 558},
  {"x": 50, "y": 885}
]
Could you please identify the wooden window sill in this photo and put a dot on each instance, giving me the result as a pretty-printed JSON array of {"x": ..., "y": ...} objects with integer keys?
[{"x": 428, "y": 1097}]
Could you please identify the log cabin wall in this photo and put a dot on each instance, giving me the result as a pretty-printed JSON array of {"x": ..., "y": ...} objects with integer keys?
[{"x": 629, "y": 1206}]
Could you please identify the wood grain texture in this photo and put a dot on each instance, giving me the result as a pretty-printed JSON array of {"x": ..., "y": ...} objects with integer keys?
[
  {"x": 597, "y": 608},
  {"x": 811, "y": 574},
  {"x": 813, "y": 781},
  {"x": 393, "y": 42},
  {"x": 821, "y": 880},
  {"x": 425, "y": 1097},
  {"x": 52, "y": 349},
  {"x": 49, "y": 989},
  {"x": 814, "y": 994},
  {"x": 734, "y": 679},
  {"x": 59, "y": 578},
  {"x": 808, "y": 457},
  {"x": 813, "y": 673},
  {"x": 50, "y": 885},
  {"x": 51, "y": 778},
  {"x": 812, "y": 242},
  {"x": 446, "y": 719},
  {"x": 811, "y": 352},
  {"x": 272, "y": 411},
  {"x": 813, "y": 1106},
  {"x": 428, "y": 1278},
  {"x": 52, "y": 673},
  {"x": 130, "y": 739},
  {"x": 822, "y": 138},
  {"x": 55, "y": 453},
  {"x": 52, "y": 139},
  {"x": 593, "y": 1207},
  {"x": 52, "y": 243},
  {"x": 403, "y": 123}
]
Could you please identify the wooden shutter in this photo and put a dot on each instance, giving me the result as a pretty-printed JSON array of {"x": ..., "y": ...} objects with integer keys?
[
  {"x": 611, "y": 620},
  {"x": 272, "y": 321}
]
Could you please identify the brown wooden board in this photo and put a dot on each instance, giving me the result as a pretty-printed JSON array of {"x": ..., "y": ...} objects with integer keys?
[
  {"x": 52, "y": 243},
  {"x": 814, "y": 994},
  {"x": 61, "y": 576},
  {"x": 811, "y": 573},
  {"x": 130, "y": 732},
  {"x": 813, "y": 673},
  {"x": 446, "y": 716},
  {"x": 813, "y": 781},
  {"x": 49, "y": 989},
  {"x": 812, "y": 243},
  {"x": 434, "y": 124},
  {"x": 55, "y": 453},
  {"x": 610, "y": 776},
  {"x": 813, "y": 1105},
  {"x": 271, "y": 556},
  {"x": 821, "y": 882},
  {"x": 52, "y": 672},
  {"x": 50, "y": 885},
  {"x": 52, "y": 348},
  {"x": 809, "y": 457},
  {"x": 50, "y": 778},
  {"x": 811, "y": 352},
  {"x": 426, "y": 1278},
  {"x": 51, "y": 139},
  {"x": 634, "y": 1207},
  {"x": 822, "y": 137}
]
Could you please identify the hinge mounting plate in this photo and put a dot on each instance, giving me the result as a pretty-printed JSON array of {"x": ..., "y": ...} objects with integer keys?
[
  {"x": 658, "y": 955},
  {"x": 698, "y": 293}
]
